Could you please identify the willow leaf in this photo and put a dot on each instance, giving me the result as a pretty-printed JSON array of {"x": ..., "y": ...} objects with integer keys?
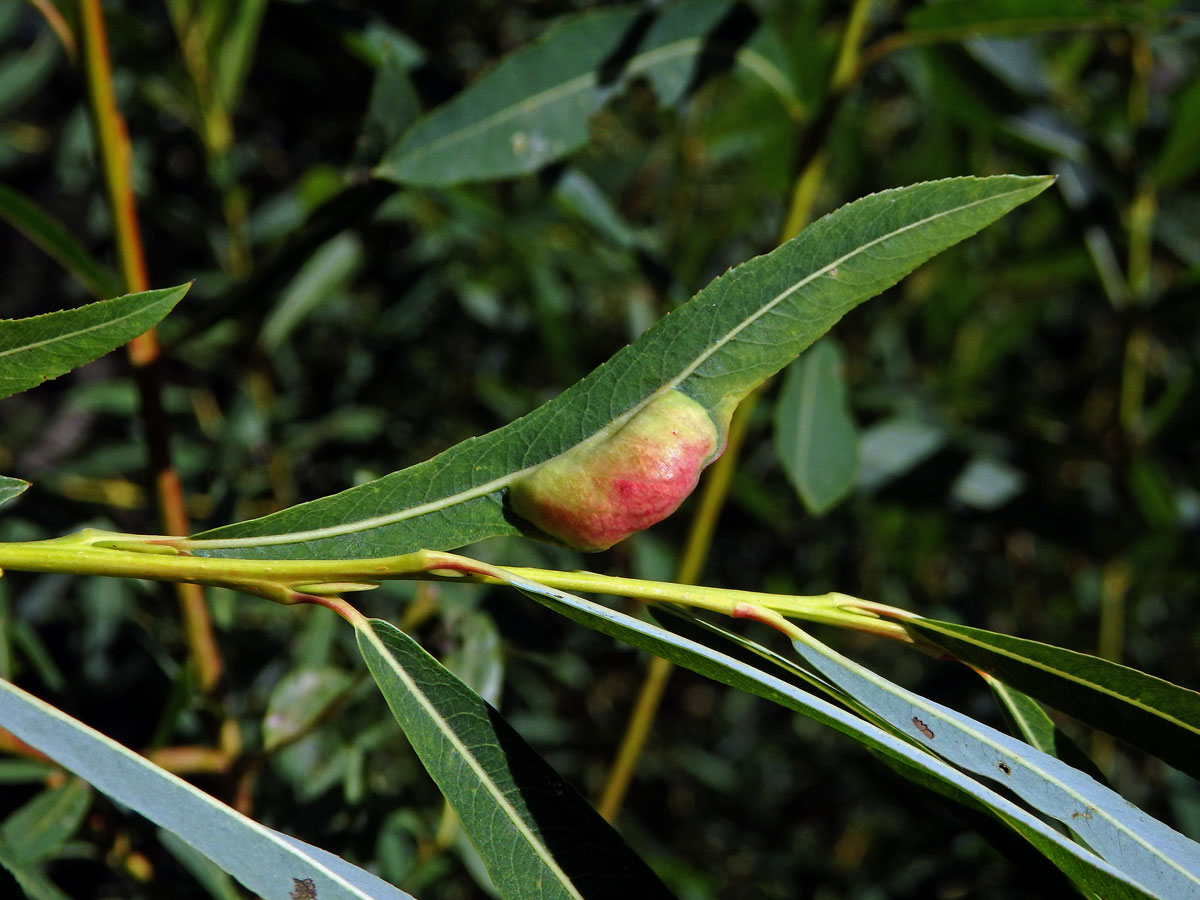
[
  {"x": 1081, "y": 865},
  {"x": 745, "y": 326},
  {"x": 1154, "y": 715},
  {"x": 11, "y": 488},
  {"x": 42, "y": 347},
  {"x": 265, "y": 861},
  {"x": 533, "y": 108},
  {"x": 1164, "y": 861},
  {"x": 537, "y": 836}
]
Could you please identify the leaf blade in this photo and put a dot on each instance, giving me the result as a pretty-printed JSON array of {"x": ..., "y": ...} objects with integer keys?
[
  {"x": 42, "y": 347},
  {"x": 11, "y": 488},
  {"x": 489, "y": 774},
  {"x": 1166, "y": 862},
  {"x": 1154, "y": 715},
  {"x": 1080, "y": 864},
  {"x": 263, "y": 860},
  {"x": 742, "y": 328},
  {"x": 815, "y": 437}
]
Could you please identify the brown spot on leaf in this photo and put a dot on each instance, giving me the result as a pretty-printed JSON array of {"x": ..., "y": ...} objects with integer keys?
[
  {"x": 923, "y": 728},
  {"x": 304, "y": 890}
]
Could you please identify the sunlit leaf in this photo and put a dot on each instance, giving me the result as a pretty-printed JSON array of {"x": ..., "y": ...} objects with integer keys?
[
  {"x": 739, "y": 330},
  {"x": 42, "y": 347}
]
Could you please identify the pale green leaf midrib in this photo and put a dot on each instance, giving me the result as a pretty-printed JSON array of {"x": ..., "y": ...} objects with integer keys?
[
  {"x": 345, "y": 528},
  {"x": 481, "y": 774},
  {"x": 74, "y": 334}
]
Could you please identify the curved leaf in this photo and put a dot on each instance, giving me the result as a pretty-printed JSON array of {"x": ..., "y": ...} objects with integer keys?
[
  {"x": 264, "y": 860},
  {"x": 1164, "y": 861},
  {"x": 533, "y": 107},
  {"x": 537, "y": 836},
  {"x": 49, "y": 234},
  {"x": 742, "y": 328},
  {"x": 39, "y": 348},
  {"x": 1154, "y": 715},
  {"x": 1076, "y": 861}
]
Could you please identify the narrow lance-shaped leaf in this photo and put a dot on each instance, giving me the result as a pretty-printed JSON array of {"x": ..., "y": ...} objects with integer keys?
[
  {"x": 1076, "y": 861},
  {"x": 1164, "y": 861},
  {"x": 49, "y": 234},
  {"x": 533, "y": 108},
  {"x": 1149, "y": 713},
  {"x": 538, "y": 837},
  {"x": 11, "y": 488},
  {"x": 742, "y": 328},
  {"x": 815, "y": 437},
  {"x": 265, "y": 861},
  {"x": 42, "y": 347}
]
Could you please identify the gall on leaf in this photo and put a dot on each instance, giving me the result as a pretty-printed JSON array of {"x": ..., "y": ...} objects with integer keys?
[{"x": 612, "y": 485}]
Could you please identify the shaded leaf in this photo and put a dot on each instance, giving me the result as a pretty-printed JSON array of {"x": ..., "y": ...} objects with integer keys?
[
  {"x": 815, "y": 437},
  {"x": 31, "y": 880},
  {"x": 971, "y": 17},
  {"x": 263, "y": 860},
  {"x": 1153, "y": 715},
  {"x": 42, "y": 347},
  {"x": 533, "y": 107},
  {"x": 38, "y": 829},
  {"x": 49, "y": 234},
  {"x": 739, "y": 330},
  {"x": 890, "y": 448},
  {"x": 299, "y": 700},
  {"x": 538, "y": 837}
]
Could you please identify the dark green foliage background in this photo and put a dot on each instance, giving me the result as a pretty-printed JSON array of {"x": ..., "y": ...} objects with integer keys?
[{"x": 440, "y": 314}]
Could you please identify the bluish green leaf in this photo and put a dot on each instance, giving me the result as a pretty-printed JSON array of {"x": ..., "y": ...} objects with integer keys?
[
  {"x": 538, "y": 837},
  {"x": 986, "y": 483},
  {"x": 533, "y": 107},
  {"x": 1081, "y": 865},
  {"x": 11, "y": 488},
  {"x": 742, "y": 328},
  {"x": 815, "y": 437},
  {"x": 1149, "y": 713},
  {"x": 39, "y": 348},
  {"x": 890, "y": 448},
  {"x": 1161, "y": 860},
  {"x": 49, "y": 234},
  {"x": 263, "y": 860}
]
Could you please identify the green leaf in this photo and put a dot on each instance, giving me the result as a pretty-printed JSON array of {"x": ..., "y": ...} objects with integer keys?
[
  {"x": 1081, "y": 865},
  {"x": 11, "y": 488},
  {"x": 890, "y": 448},
  {"x": 533, "y": 107},
  {"x": 49, "y": 234},
  {"x": 263, "y": 860},
  {"x": 815, "y": 437},
  {"x": 1163, "y": 861},
  {"x": 39, "y": 348},
  {"x": 966, "y": 18},
  {"x": 31, "y": 880},
  {"x": 742, "y": 328},
  {"x": 538, "y": 837},
  {"x": 1153, "y": 715},
  {"x": 38, "y": 829},
  {"x": 299, "y": 701},
  {"x": 1178, "y": 158}
]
